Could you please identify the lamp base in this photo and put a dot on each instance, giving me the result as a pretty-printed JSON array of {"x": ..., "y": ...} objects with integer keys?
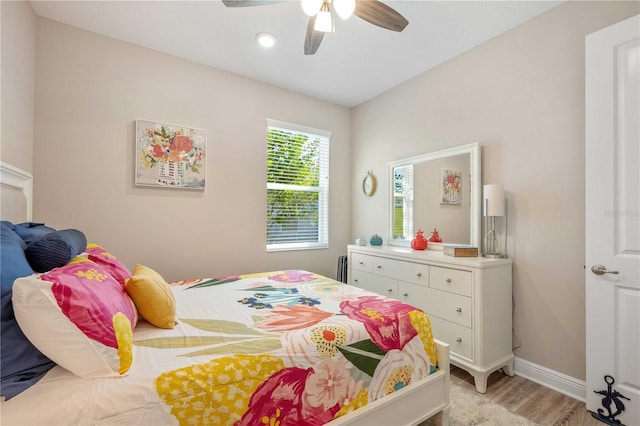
[{"x": 495, "y": 255}]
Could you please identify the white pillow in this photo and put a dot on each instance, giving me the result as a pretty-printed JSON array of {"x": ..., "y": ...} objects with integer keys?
[{"x": 79, "y": 317}]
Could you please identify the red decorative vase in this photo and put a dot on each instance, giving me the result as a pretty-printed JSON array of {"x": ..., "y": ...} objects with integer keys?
[
  {"x": 435, "y": 238},
  {"x": 419, "y": 242}
]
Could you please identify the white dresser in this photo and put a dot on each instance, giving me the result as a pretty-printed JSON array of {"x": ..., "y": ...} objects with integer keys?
[{"x": 468, "y": 300}]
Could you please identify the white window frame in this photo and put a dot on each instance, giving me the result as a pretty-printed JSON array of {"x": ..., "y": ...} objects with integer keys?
[
  {"x": 322, "y": 189},
  {"x": 407, "y": 200}
]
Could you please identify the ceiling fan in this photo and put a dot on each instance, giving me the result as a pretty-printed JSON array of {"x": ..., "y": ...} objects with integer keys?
[{"x": 321, "y": 21}]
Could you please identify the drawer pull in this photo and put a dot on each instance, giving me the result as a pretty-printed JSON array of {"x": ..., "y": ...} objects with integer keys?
[
  {"x": 379, "y": 266},
  {"x": 361, "y": 262},
  {"x": 458, "y": 309},
  {"x": 459, "y": 339},
  {"x": 390, "y": 290},
  {"x": 355, "y": 279},
  {"x": 419, "y": 274},
  {"x": 406, "y": 294},
  {"x": 448, "y": 280}
]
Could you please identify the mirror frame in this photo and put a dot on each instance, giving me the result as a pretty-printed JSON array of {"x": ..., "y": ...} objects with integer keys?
[{"x": 475, "y": 175}]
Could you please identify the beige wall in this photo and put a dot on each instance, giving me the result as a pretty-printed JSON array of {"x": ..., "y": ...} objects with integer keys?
[
  {"x": 18, "y": 73},
  {"x": 522, "y": 96},
  {"x": 90, "y": 90}
]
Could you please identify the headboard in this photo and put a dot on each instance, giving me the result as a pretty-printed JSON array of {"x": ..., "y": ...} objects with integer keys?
[{"x": 16, "y": 194}]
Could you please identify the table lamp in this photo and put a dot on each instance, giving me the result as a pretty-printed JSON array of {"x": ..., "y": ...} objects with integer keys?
[{"x": 495, "y": 220}]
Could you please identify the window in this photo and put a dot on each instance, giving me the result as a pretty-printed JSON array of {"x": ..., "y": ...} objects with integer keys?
[
  {"x": 297, "y": 187},
  {"x": 402, "y": 201}
]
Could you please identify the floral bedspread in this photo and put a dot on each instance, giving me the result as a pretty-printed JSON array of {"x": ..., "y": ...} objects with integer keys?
[{"x": 279, "y": 348}]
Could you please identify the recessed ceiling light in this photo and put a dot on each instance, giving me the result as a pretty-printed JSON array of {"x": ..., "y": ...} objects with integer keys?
[{"x": 266, "y": 39}]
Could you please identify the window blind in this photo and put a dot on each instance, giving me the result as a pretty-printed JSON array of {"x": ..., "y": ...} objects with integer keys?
[
  {"x": 297, "y": 187},
  {"x": 403, "y": 202}
]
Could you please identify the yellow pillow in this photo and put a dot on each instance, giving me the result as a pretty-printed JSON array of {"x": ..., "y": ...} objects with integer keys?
[{"x": 152, "y": 296}]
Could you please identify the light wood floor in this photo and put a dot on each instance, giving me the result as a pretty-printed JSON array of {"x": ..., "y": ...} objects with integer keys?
[{"x": 537, "y": 403}]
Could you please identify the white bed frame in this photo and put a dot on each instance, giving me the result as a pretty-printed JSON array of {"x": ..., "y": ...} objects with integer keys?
[
  {"x": 14, "y": 181},
  {"x": 409, "y": 406},
  {"x": 412, "y": 405}
]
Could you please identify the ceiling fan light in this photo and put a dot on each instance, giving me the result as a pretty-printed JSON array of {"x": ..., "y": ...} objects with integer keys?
[
  {"x": 311, "y": 7},
  {"x": 344, "y": 8},
  {"x": 323, "y": 22}
]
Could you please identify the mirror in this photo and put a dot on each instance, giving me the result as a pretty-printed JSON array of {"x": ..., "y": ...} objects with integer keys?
[{"x": 436, "y": 190}]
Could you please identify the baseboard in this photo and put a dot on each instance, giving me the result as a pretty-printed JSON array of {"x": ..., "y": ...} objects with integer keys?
[{"x": 552, "y": 379}]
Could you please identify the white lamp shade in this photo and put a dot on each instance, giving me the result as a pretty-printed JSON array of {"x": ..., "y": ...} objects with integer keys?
[
  {"x": 344, "y": 8},
  {"x": 323, "y": 22},
  {"x": 494, "y": 200},
  {"x": 311, "y": 7}
]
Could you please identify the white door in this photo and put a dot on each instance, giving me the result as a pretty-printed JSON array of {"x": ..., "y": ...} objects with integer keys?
[{"x": 612, "y": 220}]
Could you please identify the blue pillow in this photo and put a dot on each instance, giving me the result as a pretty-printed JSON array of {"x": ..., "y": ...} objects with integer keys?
[
  {"x": 55, "y": 249},
  {"x": 30, "y": 231},
  {"x": 21, "y": 363}
]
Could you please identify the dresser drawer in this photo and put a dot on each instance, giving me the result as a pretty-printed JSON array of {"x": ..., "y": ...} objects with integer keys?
[
  {"x": 449, "y": 306},
  {"x": 404, "y": 271},
  {"x": 361, "y": 262},
  {"x": 413, "y": 294},
  {"x": 452, "y": 280},
  {"x": 459, "y": 338},
  {"x": 380, "y": 285}
]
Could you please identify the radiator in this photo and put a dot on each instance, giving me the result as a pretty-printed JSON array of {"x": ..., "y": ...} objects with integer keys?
[{"x": 342, "y": 269}]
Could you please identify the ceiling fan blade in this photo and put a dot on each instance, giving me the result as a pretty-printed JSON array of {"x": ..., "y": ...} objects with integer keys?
[
  {"x": 245, "y": 3},
  {"x": 380, "y": 14},
  {"x": 313, "y": 38}
]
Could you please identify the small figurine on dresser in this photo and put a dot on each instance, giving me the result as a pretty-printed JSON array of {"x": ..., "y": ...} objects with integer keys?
[
  {"x": 419, "y": 242},
  {"x": 434, "y": 238},
  {"x": 376, "y": 240}
]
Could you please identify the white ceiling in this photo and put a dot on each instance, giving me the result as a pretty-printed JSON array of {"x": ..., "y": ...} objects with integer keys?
[{"x": 356, "y": 63}]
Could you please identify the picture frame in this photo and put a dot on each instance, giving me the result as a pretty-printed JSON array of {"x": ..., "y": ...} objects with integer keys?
[
  {"x": 450, "y": 187},
  {"x": 170, "y": 156}
]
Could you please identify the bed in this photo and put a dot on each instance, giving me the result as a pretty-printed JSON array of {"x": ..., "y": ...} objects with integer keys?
[{"x": 274, "y": 348}]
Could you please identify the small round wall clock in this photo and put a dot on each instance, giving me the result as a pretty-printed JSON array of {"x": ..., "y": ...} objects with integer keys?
[{"x": 369, "y": 184}]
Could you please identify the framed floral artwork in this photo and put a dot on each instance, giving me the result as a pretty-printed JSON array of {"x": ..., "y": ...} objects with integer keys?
[
  {"x": 450, "y": 187},
  {"x": 170, "y": 156}
]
